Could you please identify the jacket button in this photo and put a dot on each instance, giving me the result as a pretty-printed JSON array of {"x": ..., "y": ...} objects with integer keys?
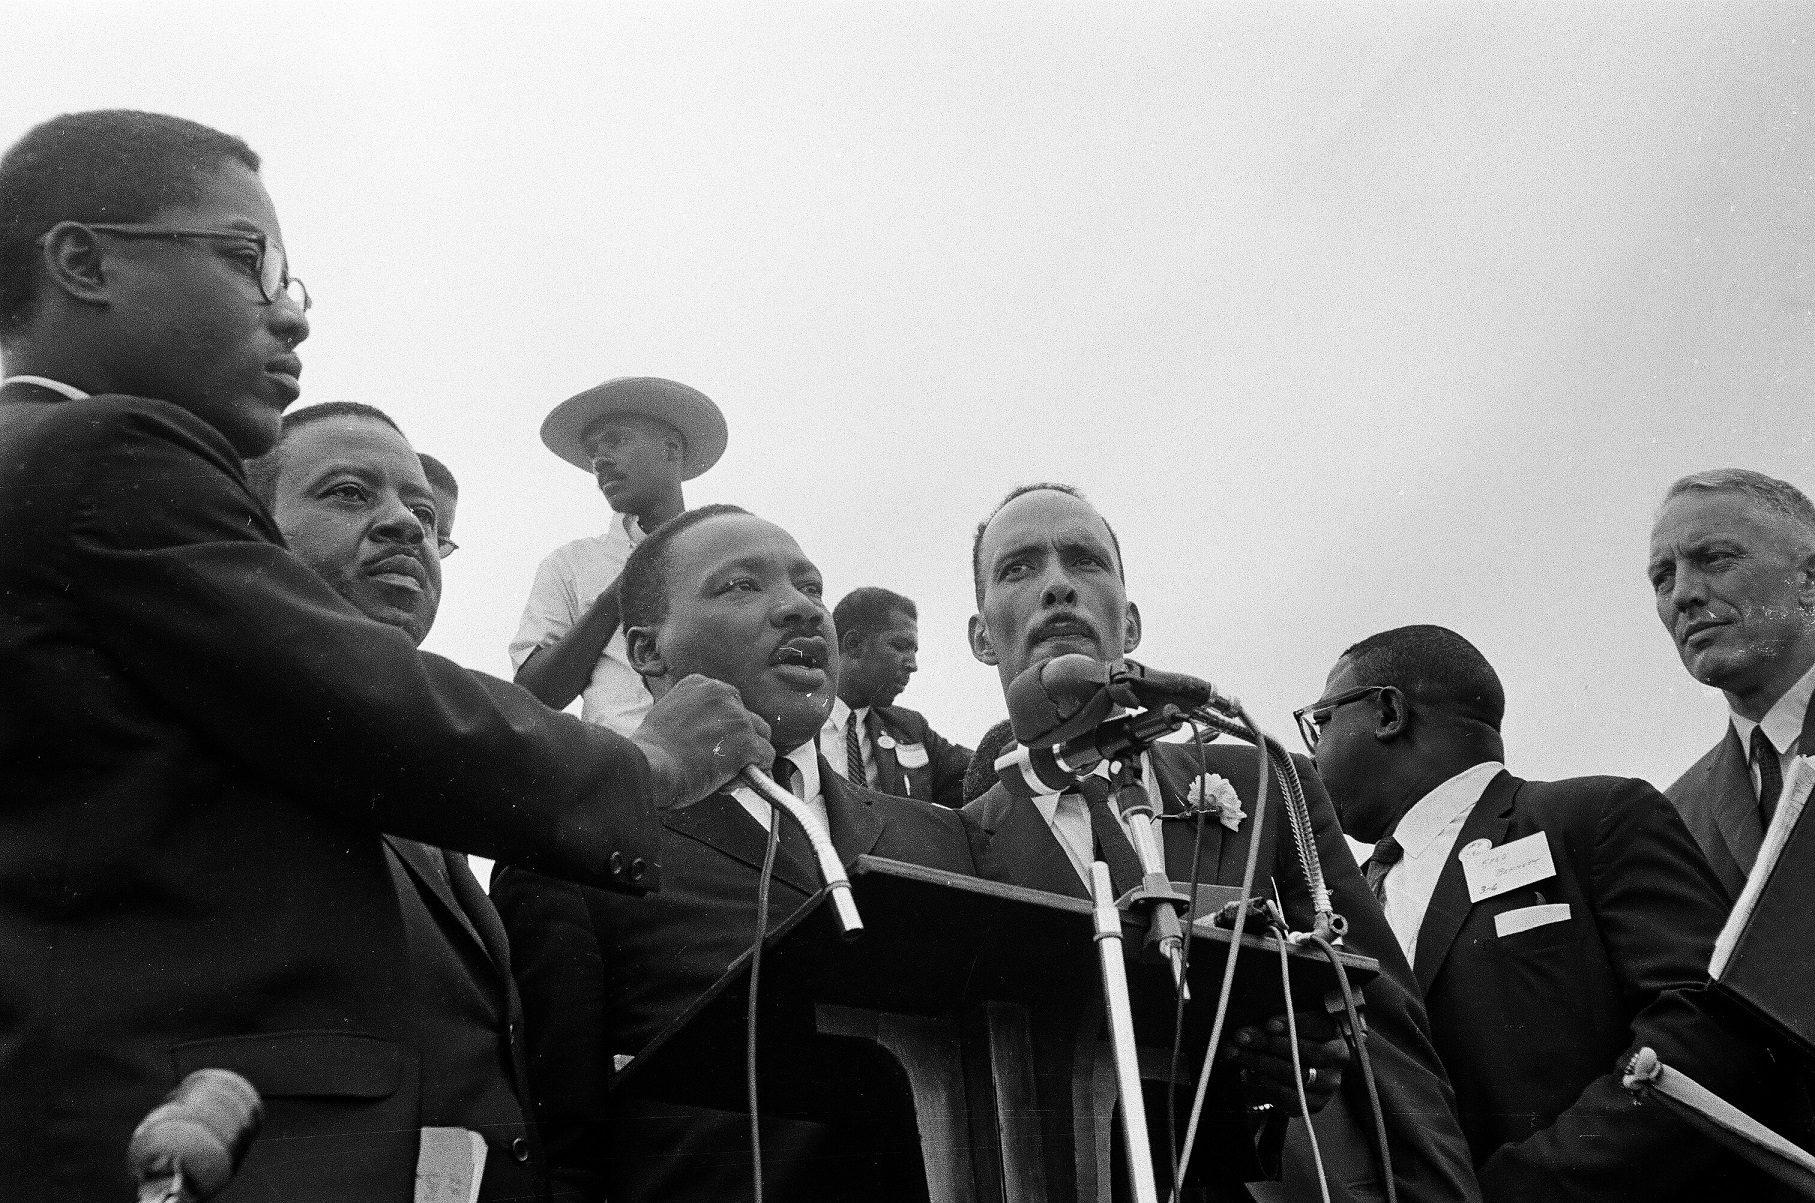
[
  {"x": 616, "y": 862},
  {"x": 636, "y": 869},
  {"x": 519, "y": 1148}
]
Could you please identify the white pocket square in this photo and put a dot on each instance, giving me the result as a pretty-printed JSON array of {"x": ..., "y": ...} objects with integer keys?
[{"x": 1511, "y": 923}]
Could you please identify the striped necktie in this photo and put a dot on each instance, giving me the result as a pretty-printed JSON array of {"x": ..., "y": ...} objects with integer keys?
[{"x": 853, "y": 752}]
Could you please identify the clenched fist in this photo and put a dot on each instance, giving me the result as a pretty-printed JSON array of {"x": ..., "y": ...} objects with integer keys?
[{"x": 697, "y": 737}]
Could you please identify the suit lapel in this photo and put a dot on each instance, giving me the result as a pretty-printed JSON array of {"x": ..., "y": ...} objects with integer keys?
[
  {"x": 1449, "y": 905},
  {"x": 856, "y": 827},
  {"x": 888, "y": 768},
  {"x": 1735, "y": 805},
  {"x": 428, "y": 867},
  {"x": 722, "y": 824},
  {"x": 1174, "y": 775},
  {"x": 479, "y": 910},
  {"x": 1024, "y": 851}
]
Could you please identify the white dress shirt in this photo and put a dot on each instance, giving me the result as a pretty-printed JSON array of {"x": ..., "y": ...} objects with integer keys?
[
  {"x": 832, "y": 745},
  {"x": 567, "y": 582},
  {"x": 1782, "y": 724},
  {"x": 56, "y": 386},
  {"x": 1069, "y": 819},
  {"x": 806, "y": 787},
  {"x": 1427, "y": 832}
]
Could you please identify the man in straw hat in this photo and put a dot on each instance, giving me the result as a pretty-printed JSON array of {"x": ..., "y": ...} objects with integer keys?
[{"x": 640, "y": 437}]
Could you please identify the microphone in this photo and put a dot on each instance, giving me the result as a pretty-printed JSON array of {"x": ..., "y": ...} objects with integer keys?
[
  {"x": 830, "y": 867},
  {"x": 1057, "y": 700},
  {"x": 189, "y": 1146}
]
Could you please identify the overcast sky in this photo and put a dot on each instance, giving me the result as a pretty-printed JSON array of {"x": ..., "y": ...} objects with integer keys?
[{"x": 1346, "y": 316}]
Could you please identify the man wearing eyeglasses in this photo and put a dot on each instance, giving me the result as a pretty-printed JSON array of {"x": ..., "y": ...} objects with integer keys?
[
  {"x": 1553, "y": 927},
  {"x": 200, "y": 741},
  {"x": 640, "y": 437},
  {"x": 447, "y": 498}
]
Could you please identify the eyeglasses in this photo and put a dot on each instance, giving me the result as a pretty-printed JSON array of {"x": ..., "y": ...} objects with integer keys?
[
  {"x": 1312, "y": 718},
  {"x": 446, "y": 547},
  {"x": 272, "y": 271}
]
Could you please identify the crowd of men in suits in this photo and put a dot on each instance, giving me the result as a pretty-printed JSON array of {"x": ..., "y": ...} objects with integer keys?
[{"x": 235, "y": 796}]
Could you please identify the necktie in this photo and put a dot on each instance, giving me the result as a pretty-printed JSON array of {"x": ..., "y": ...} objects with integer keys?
[
  {"x": 1125, "y": 871},
  {"x": 1386, "y": 854},
  {"x": 1770, "y": 774},
  {"x": 794, "y": 842},
  {"x": 853, "y": 752}
]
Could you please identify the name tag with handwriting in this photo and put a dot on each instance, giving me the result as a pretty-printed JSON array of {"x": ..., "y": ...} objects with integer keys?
[{"x": 1491, "y": 871}]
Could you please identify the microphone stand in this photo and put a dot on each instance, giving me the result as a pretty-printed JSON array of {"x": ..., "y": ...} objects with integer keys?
[
  {"x": 844, "y": 905},
  {"x": 1121, "y": 1035},
  {"x": 1165, "y": 904}
]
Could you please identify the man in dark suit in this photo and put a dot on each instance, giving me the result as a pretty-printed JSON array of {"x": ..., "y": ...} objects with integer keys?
[
  {"x": 355, "y": 504},
  {"x": 721, "y": 593},
  {"x": 199, "y": 740},
  {"x": 1732, "y": 564},
  {"x": 867, "y": 738},
  {"x": 1049, "y": 581},
  {"x": 1554, "y": 927}
]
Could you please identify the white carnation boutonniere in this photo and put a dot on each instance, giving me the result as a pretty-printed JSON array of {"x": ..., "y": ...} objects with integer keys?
[{"x": 1216, "y": 796}]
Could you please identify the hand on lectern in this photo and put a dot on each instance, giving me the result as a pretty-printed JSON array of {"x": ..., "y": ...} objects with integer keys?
[
  {"x": 1265, "y": 1056},
  {"x": 698, "y": 736}
]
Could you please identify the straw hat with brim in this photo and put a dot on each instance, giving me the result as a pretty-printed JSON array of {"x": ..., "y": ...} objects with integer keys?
[{"x": 688, "y": 410}]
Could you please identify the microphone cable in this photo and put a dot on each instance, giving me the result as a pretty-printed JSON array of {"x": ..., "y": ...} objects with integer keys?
[
  {"x": 756, "y": 967},
  {"x": 1178, "y": 1015},
  {"x": 1298, "y": 1069},
  {"x": 1357, "y": 1039},
  {"x": 1241, "y": 915}
]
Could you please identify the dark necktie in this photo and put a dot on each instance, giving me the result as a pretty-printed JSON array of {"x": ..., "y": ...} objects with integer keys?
[
  {"x": 1770, "y": 774},
  {"x": 853, "y": 752},
  {"x": 1387, "y": 853},
  {"x": 1113, "y": 847},
  {"x": 794, "y": 842}
]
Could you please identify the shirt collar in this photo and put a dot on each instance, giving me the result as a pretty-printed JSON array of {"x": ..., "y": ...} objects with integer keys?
[
  {"x": 1048, "y": 803},
  {"x": 1783, "y": 721},
  {"x": 841, "y": 713},
  {"x": 633, "y": 530},
  {"x": 1435, "y": 811},
  {"x": 805, "y": 760},
  {"x": 69, "y": 391}
]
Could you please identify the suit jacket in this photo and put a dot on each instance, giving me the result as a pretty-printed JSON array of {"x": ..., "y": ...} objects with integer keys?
[
  {"x": 1430, "y": 1158},
  {"x": 466, "y": 1010},
  {"x": 601, "y": 974},
  {"x": 1531, "y": 1025},
  {"x": 199, "y": 745},
  {"x": 936, "y": 773},
  {"x": 1717, "y": 804}
]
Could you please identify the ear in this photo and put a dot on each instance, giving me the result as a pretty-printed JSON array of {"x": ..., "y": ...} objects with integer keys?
[
  {"x": 676, "y": 452},
  {"x": 1807, "y": 585},
  {"x": 1395, "y": 715},
  {"x": 73, "y": 261},
  {"x": 1131, "y": 629},
  {"x": 849, "y": 644},
  {"x": 981, "y": 647},
  {"x": 645, "y": 657}
]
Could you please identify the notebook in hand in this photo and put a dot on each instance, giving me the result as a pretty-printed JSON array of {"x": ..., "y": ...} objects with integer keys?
[{"x": 1761, "y": 959}]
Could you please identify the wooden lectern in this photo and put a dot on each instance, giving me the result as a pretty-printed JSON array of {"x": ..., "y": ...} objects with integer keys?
[{"x": 988, "y": 999}]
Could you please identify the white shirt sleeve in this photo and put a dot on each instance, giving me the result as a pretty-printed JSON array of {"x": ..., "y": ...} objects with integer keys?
[{"x": 552, "y": 610}]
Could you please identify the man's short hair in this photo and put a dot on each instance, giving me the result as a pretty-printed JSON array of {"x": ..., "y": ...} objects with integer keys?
[
  {"x": 440, "y": 476},
  {"x": 1021, "y": 491},
  {"x": 108, "y": 165},
  {"x": 869, "y": 609},
  {"x": 262, "y": 473},
  {"x": 643, "y": 582},
  {"x": 1779, "y": 496},
  {"x": 1432, "y": 665}
]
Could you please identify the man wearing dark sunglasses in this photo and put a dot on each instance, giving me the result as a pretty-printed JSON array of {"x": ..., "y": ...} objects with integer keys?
[
  {"x": 1553, "y": 927},
  {"x": 200, "y": 741}
]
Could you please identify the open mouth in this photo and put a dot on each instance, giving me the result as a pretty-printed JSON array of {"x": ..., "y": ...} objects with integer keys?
[
  {"x": 803, "y": 651},
  {"x": 400, "y": 572}
]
